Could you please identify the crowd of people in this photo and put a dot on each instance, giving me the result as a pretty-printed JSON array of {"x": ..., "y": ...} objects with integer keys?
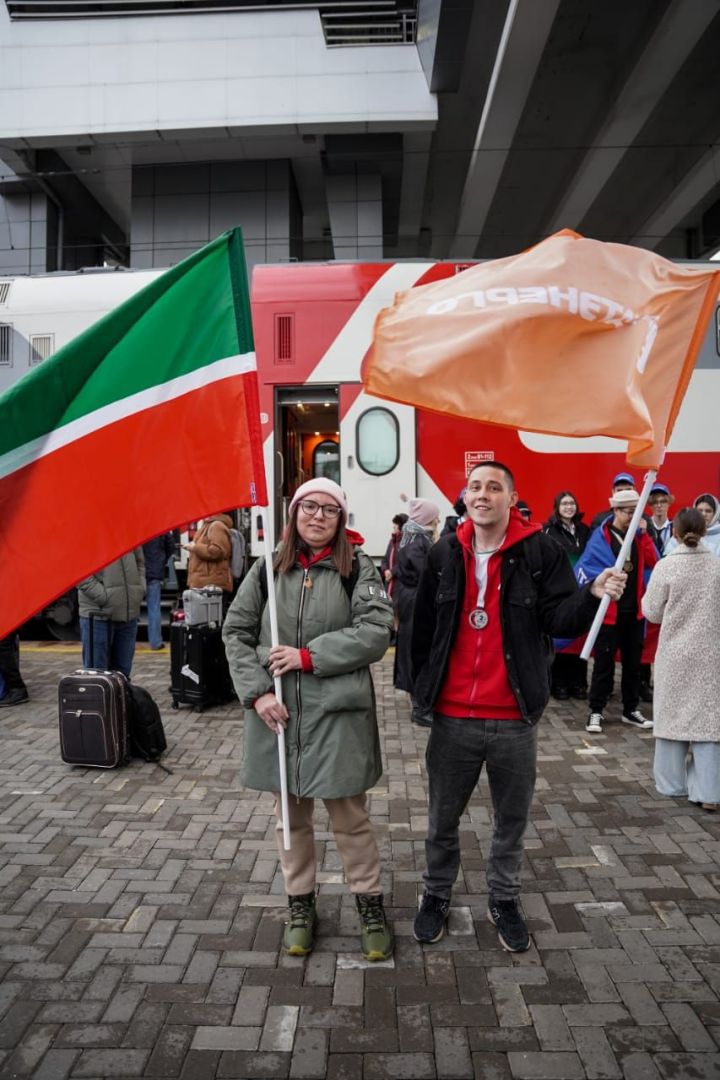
[{"x": 488, "y": 620}]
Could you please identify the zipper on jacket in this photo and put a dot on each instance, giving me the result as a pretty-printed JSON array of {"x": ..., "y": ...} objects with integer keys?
[
  {"x": 298, "y": 692},
  {"x": 127, "y": 590}
]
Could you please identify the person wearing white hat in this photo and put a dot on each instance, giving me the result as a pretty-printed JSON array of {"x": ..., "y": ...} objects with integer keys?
[
  {"x": 334, "y": 620},
  {"x": 624, "y": 628}
]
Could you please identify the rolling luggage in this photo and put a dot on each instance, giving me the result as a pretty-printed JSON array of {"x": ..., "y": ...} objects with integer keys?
[
  {"x": 199, "y": 672},
  {"x": 93, "y": 716},
  {"x": 203, "y": 606}
]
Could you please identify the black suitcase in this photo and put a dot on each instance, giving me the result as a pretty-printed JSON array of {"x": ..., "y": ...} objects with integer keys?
[
  {"x": 93, "y": 715},
  {"x": 199, "y": 673}
]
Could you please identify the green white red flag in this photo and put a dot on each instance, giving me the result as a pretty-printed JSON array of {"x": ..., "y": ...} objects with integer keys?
[{"x": 147, "y": 420}]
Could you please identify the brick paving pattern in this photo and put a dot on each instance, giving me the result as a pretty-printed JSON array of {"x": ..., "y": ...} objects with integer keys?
[{"x": 141, "y": 915}]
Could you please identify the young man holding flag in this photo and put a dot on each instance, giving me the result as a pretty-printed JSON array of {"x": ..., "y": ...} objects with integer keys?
[{"x": 489, "y": 599}]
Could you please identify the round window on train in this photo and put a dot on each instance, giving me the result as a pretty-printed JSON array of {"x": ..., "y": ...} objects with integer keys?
[
  {"x": 377, "y": 437},
  {"x": 326, "y": 460}
]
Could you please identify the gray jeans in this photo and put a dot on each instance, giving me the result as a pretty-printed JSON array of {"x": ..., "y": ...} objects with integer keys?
[{"x": 456, "y": 752}]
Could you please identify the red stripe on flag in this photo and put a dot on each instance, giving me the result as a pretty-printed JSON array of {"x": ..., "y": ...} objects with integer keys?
[{"x": 79, "y": 508}]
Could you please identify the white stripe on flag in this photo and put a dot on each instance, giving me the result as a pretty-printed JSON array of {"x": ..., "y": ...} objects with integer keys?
[{"x": 38, "y": 448}]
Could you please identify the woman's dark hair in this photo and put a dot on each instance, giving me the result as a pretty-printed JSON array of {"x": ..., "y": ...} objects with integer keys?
[
  {"x": 400, "y": 519},
  {"x": 559, "y": 498},
  {"x": 293, "y": 545},
  {"x": 459, "y": 507},
  {"x": 689, "y": 527}
]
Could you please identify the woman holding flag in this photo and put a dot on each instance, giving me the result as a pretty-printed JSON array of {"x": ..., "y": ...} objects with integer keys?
[{"x": 336, "y": 617}]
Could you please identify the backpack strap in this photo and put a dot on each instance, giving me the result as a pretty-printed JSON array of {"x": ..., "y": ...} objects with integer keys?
[{"x": 348, "y": 583}]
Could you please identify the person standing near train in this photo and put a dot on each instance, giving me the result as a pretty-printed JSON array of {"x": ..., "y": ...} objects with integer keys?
[
  {"x": 489, "y": 599},
  {"x": 684, "y": 597},
  {"x": 334, "y": 620}
]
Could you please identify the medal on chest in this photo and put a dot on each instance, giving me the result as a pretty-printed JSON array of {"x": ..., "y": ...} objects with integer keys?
[{"x": 478, "y": 618}]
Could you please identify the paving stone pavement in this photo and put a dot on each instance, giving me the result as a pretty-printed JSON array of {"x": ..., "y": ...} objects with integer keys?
[{"x": 141, "y": 915}]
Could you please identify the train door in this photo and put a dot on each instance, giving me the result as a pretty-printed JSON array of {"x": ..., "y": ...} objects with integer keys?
[
  {"x": 377, "y": 462},
  {"x": 307, "y": 436}
]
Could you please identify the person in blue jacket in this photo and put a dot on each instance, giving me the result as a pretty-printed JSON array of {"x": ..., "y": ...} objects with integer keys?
[{"x": 624, "y": 628}]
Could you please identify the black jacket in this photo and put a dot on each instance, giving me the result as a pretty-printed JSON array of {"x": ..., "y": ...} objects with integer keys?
[
  {"x": 572, "y": 543},
  {"x": 409, "y": 565},
  {"x": 539, "y": 599}
]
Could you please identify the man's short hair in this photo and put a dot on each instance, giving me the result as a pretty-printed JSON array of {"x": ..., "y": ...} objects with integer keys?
[{"x": 495, "y": 465}]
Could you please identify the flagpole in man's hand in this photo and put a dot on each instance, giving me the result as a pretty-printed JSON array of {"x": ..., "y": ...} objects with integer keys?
[
  {"x": 619, "y": 564},
  {"x": 275, "y": 640}
]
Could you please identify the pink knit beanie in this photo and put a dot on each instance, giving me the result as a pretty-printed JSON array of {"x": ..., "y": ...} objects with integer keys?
[
  {"x": 423, "y": 512},
  {"x": 320, "y": 486}
]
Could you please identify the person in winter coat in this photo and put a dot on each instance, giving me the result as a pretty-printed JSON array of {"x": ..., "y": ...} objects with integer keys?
[
  {"x": 210, "y": 549},
  {"x": 111, "y": 598},
  {"x": 417, "y": 538},
  {"x": 565, "y": 525},
  {"x": 488, "y": 598},
  {"x": 684, "y": 597},
  {"x": 623, "y": 629},
  {"x": 709, "y": 507},
  {"x": 156, "y": 552},
  {"x": 335, "y": 616},
  {"x": 387, "y": 564}
]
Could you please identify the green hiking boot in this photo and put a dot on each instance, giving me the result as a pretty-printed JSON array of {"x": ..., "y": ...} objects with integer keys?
[
  {"x": 299, "y": 935},
  {"x": 376, "y": 938}
]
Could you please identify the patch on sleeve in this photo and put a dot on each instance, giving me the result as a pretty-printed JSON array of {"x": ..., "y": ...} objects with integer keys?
[{"x": 377, "y": 591}]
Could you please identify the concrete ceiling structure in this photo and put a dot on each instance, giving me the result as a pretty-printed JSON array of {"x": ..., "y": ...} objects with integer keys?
[{"x": 597, "y": 115}]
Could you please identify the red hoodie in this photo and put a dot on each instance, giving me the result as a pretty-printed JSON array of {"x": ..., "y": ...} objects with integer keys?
[{"x": 477, "y": 684}]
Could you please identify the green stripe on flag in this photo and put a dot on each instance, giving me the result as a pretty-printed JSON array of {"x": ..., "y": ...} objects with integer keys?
[{"x": 191, "y": 316}]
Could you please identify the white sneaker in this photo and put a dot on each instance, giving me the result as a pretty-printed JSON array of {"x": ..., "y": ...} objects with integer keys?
[
  {"x": 636, "y": 719},
  {"x": 594, "y": 723}
]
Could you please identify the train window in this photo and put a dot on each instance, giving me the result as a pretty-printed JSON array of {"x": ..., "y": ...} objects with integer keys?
[
  {"x": 41, "y": 346},
  {"x": 377, "y": 437},
  {"x": 5, "y": 344},
  {"x": 4, "y": 290},
  {"x": 326, "y": 460}
]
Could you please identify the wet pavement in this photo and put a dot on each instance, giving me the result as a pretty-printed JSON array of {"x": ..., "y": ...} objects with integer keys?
[{"x": 141, "y": 915}]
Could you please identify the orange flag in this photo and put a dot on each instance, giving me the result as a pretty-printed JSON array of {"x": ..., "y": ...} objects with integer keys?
[{"x": 573, "y": 337}]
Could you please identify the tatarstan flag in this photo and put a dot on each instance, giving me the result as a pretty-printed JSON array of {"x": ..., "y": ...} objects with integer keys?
[
  {"x": 573, "y": 337},
  {"x": 147, "y": 420}
]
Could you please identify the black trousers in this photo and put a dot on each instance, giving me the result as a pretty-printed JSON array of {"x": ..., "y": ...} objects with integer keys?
[
  {"x": 626, "y": 636},
  {"x": 456, "y": 752},
  {"x": 9, "y": 663}
]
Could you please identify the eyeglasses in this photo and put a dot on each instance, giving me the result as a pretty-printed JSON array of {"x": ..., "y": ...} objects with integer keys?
[
  {"x": 624, "y": 509},
  {"x": 310, "y": 509},
  {"x": 567, "y": 502}
]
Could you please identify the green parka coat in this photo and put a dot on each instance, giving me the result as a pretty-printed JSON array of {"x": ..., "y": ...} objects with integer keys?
[{"x": 332, "y": 742}]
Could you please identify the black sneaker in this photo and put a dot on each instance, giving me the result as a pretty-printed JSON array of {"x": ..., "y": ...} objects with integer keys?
[
  {"x": 560, "y": 693},
  {"x": 579, "y": 693},
  {"x": 636, "y": 719},
  {"x": 511, "y": 926},
  {"x": 14, "y": 697},
  {"x": 429, "y": 925}
]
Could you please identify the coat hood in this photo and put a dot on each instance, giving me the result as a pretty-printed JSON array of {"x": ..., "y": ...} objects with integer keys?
[
  {"x": 224, "y": 518},
  {"x": 713, "y": 525}
]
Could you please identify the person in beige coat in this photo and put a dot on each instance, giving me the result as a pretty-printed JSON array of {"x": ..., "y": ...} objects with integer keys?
[
  {"x": 209, "y": 561},
  {"x": 684, "y": 597}
]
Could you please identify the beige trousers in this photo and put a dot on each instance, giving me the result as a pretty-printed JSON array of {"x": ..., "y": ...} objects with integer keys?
[{"x": 354, "y": 837}]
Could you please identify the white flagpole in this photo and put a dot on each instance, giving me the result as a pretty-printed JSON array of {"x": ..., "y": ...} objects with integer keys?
[
  {"x": 275, "y": 640},
  {"x": 619, "y": 563}
]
